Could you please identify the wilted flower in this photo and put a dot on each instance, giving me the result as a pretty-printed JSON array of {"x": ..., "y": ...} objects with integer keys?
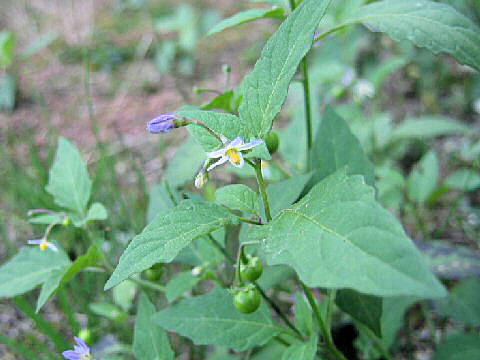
[
  {"x": 201, "y": 179},
  {"x": 80, "y": 351},
  {"x": 44, "y": 244},
  {"x": 232, "y": 152},
  {"x": 162, "y": 124}
]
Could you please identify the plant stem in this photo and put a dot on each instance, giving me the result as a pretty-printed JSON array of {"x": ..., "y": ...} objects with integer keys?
[
  {"x": 308, "y": 111},
  {"x": 261, "y": 186},
  {"x": 323, "y": 329},
  {"x": 331, "y": 300},
  {"x": 148, "y": 284}
]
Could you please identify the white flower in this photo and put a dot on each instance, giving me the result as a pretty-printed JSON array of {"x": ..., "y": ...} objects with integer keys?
[
  {"x": 44, "y": 244},
  {"x": 363, "y": 89},
  {"x": 232, "y": 152},
  {"x": 201, "y": 179}
]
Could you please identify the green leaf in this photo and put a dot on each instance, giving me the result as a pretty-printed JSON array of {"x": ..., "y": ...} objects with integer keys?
[
  {"x": 432, "y": 25},
  {"x": 337, "y": 221},
  {"x": 221, "y": 102},
  {"x": 66, "y": 273},
  {"x": 124, "y": 293},
  {"x": 149, "y": 341},
  {"x": 422, "y": 181},
  {"x": 284, "y": 193},
  {"x": 301, "y": 350},
  {"x": 227, "y": 125},
  {"x": 237, "y": 197},
  {"x": 463, "y": 303},
  {"x": 246, "y": 17},
  {"x": 336, "y": 147},
  {"x": 365, "y": 308},
  {"x": 181, "y": 283},
  {"x": 7, "y": 43},
  {"x": 68, "y": 180},
  {"x": 8, "y": 89},
  {"x": 107, "y": 310},
  {"x": 167, "y": 234},
  {"x": 160, "y": 200},
  {"x": 266, "y": 87},
  {"x": 303, "y": 315},
  {"x": 459, "y": 347},
  {"x": 212, "y": 319},
  {"x": 428, "y": 127},
  {"x": 463, "y": 180},
  {"x": 185, "y": 164},
  {"x": 28, "y": 268},
  {"x": 46, "y": 219},
  {"x": 96, "y": 212}
]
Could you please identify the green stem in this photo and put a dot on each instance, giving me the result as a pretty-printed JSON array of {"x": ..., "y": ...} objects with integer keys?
[
  {"x": 148, "y": 284},
  {"x": 262, "y": 188},
  {"x": 331, "y": 301},
  {"x": 308, "y": 110},
  {"x": 248, "y": 221},
  {"x": 323, "y": 329}
]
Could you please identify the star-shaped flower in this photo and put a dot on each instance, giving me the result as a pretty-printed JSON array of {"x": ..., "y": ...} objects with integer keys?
[
  {"x": 232, "y": 152},
  {"x": 80, "y": 351},
  {"x": 44, "y": 244}
]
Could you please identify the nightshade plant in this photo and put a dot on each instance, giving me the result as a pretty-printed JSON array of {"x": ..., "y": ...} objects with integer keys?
[{"x": 323, "y": 226}]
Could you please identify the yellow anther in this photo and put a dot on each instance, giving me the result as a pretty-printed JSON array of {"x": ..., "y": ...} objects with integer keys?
[
  {"x": 234, "y": 156},
  {"x": 43, "y": 246}
]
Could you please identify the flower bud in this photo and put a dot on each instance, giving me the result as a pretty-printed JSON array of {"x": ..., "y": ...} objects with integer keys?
[
  {"x": 201, "y": 179},
  {"x": 162, "y": 124}
]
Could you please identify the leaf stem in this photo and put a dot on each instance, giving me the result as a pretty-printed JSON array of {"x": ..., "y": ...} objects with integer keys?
[
  {"x": 148, "y": 284},
  {"x": 308, "y": 111},
  {"x": 327, "y": 336},
  {"x": 261, "y": 186}
]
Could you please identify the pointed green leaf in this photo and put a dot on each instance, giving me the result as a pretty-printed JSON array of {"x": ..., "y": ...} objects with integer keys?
[
  {"x": 432, "y": 25},
  {"x": 149, "y": 341},
  {"x": 167, "y": 234},
  {"x": 246, "y": 17},
  {"x": 301, "y": 350},
  {"x": 338, "y": 236},
  {"x": 46, "y": 219},
  {"x": 463, "y": 303},
  {"x": 97, "y": 212},
  {"x": 265, "y": 88},
  {"x": 423, "y": 179},
  {"x": 365, "y": 308},
  {"x": 237, "y": 197},
  {"x": 29, "y": 268},
  {"x": 336, "y": 147},
  {"x": 181, "y": 283},
  {"x": 49, "y": 286},
  {"x": 212, "y": 319},
  {"x": 68, "y": 180},
  {"x": 284, "y": 193},
  {"x": 459, "y": 347}
]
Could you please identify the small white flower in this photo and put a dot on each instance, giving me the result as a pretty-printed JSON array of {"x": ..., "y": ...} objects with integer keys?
[
  {"x": 43, "y": 244},
  {"x": 201, "y": 179},
  {"x": 197, "y": 270},
  {"x": 232, "y": 152},
  {"x": 363, "y": 89}
]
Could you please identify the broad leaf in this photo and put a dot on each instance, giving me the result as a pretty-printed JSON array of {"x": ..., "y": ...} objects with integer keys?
[
  {"x": 284, "y": 193},
  {"x": 64, "y": 274},
  {"x": 428, "y": 127},
  {"x": 124, "y": 293},
  {"x": 464, "y": 180},
  {"x": 336, "y": 147},
  {"x": 463, "y": 303},
  {"x": 28, "y": 268},
  {"x": 365, "y": 308},
  {"x": 423, "y": 179},
  {"x": 181, "y": 283},
  {"x": 68, "y": 180},
  {"x": 237, "y": 197},
  {"x": 432, "y": 25},
  {"x": 459, "y": 347},
  {"x": 212, "y": 319},
  {"x": 224, "y": 101},
  {"x": 266, "y": 87},
  {"x": 301, "y": 350},
  {"x": 149, "y": 341},
  {"x": 185, "y": 164},
  {"x": 167, "y": 234},
  {"x": 337, "y": 221},
  {"x": 246, "y": 17}
]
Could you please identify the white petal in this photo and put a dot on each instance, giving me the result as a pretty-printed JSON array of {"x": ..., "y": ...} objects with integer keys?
[
  {"x": 52, "y": 246},
  {"x": 35, "y": 242},
  {"x": 236, "y": 143},
  {"x": 216, "y": 154},
  {"x": 250, "y": 145},
  {"x": 242, "y": 162},
  {"x": 222, "y": 160}
]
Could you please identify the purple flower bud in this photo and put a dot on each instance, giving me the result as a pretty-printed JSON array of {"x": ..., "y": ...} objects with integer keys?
[{"x": 162, "y": 124}]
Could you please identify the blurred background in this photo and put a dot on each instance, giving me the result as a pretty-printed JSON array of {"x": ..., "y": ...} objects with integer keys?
[{"x": 95, "y": 71}]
